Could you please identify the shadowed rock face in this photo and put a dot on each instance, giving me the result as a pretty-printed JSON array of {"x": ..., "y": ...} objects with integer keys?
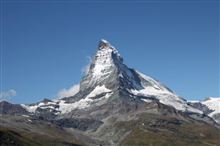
[
  {"x": 11, "y": 109},
  {"x": 83, "y": 124},
  {"x": 217, "y": 117},
  {"x": 201, "y": 107}
]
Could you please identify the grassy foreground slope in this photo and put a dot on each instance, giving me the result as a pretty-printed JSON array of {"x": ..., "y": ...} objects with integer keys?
[{"x": 161, "y": 131}]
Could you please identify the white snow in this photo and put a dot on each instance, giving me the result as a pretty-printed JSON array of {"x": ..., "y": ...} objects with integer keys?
[
  {"x": 98, "y": 90},
  {"x": 29, "y": 120},
  {"x": 121, "y": 75},
  {"x": 148, "y": 91},
  {"x": 157, "y": 90},
  {"x": 146, "y": 100},
  {"x": 193, "y": 101},
  {"x": 213, "y": 103},
  {"x": 156, "y": 85},
  {"x": 67, "y": 107},
  {"x": 167, "y": 99},
  {"x": 30, "y": 108},
  {"x": 46, "y": 107},
  {"x": 85, "y": 102},
  {"x": 103, "y": 60}
]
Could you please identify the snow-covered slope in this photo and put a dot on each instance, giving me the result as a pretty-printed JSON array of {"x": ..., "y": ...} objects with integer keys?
[
  {"x": 86, "y": 102},
  {"x": 212, "y": 103},
  {"x": 61, "y": 106},
  {"x": 156, "y": 89},
  {"x": 45, "y": 104}
]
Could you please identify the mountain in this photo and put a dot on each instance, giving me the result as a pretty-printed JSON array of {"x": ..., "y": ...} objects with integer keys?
[
  {"x": 210, "y": 106},
  {"x": 109, "y": 76},
  {"x": 118, "y": 105}
]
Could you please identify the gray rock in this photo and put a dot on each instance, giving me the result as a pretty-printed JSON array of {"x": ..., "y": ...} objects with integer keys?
[{"x": 11, "y": 109}]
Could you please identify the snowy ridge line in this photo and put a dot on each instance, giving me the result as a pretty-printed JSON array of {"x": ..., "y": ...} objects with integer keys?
[
  {"x": 64, "y": 107},
  {"x": 164, "y": 95},
  {"x": 213, "y": 104}
]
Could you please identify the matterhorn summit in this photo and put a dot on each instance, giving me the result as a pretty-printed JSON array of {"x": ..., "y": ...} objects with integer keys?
[{"x": 105, "y": 66}]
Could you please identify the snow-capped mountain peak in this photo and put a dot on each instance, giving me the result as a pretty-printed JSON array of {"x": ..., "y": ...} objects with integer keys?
[
  {"x": 109, "y": 76},
  {"x": 105, "y": 66},
  {"x": 103, "y": 44},
  {"x": 105, "y": 58}
]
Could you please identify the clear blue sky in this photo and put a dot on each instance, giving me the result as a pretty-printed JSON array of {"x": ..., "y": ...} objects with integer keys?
[{"x": 45, "y": 45}]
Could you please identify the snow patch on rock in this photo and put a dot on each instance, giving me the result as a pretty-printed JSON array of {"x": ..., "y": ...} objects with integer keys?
[
  {"x": 213, "y": 104},
  {"x": 85, "y": 102},
  {"x": 98, "y": 90},
  {"x": 30, "y": 108}
]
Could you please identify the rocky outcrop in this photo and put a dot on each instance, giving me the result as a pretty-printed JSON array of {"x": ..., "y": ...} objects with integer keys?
[{"x": 11, "y": 109}]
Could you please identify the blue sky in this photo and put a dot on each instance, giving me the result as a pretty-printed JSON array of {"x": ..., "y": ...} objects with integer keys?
[{"x": 46, "y": 44}]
